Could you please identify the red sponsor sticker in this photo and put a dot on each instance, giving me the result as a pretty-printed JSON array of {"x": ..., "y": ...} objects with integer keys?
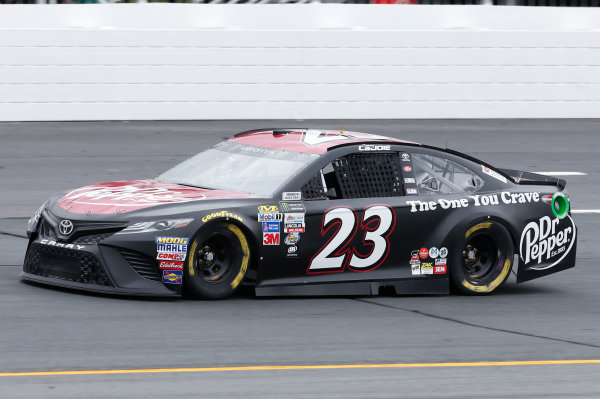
[
  {"x": 407, "y": 168},
  {"x": 423, "y": 253},
  {"x": 440, "y": 269},
  {"x": 270, "y": 238},
  {"x": 171, "y": 265}
]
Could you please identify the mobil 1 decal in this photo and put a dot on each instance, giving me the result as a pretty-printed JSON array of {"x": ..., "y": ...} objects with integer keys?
[
  {"x": 355, "y": 240},
  {"x": 546, "y": 242}
]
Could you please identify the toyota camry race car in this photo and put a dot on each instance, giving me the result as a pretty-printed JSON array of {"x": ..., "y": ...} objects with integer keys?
[{"x": 306, "y": 212}]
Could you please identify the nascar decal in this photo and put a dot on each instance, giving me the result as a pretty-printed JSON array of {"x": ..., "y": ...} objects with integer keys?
[
  {"x": 222, "y": 214},
  {"x": 378, "y": 222},
  {"x": 547, "y": 240},
  {"x": 505, "y": 197},
  {"x": 172, "y": 276}
]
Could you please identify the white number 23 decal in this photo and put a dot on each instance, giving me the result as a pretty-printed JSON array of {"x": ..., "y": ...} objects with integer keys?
[{"x": 335, "y": 254}]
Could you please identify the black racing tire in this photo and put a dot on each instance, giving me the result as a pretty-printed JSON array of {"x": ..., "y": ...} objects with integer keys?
[
  {"x": 483, "y": 258},
  {"x": 218, "y": 260}
]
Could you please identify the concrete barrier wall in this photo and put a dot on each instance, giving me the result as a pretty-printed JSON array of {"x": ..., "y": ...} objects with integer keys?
[{"x": 192, "y": 61}]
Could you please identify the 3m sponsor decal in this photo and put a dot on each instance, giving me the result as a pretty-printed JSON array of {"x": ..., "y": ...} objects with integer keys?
[
  {"x": 505, "y": 197},
  {"x": 423, "y": 253},
  {"x": 427, "y": 268},
  {"x": 292, "y": 239},
  {"x": 374, "y": 147},
  {"x": 545, "y": 240},
  {"x": 493, "y": 173},
  {"x": 292, "y": 207},
  {"x": 171, "y": 248},
  {"x": 172, "y": 240},
  {"x": 270, "y": 238},
  {"x": 291, "y": 196},
  {"x": 433, "y": 252},
  {"x": 407, "y": 168},
  {"x": 293, "y": 218},
  {"x": 222, "y": 214},
  {"x": 440, "y": 269},
  {"x": 411, "y": 191},
  {"x": 171, "y": 265},
  {"x": 270, "y": 227},
  {"x": 165, "y": 256},
  {"x": 440, "y": 261},
  {"x": 443, "y": 252},
  {"x": 172, "y": 276},
  {"x": 62, "y": 245},
  {"x": 270, "y": 217},
  {"x": 409, "y": 180},
  {"x": 405, "y": 157},
  {"x": 415, "y": 268},
  {"x": 268, "y": 209}
]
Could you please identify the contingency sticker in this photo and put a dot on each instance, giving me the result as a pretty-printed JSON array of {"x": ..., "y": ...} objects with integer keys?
[
  {"x": 493, "y": 173},
  {"x": 171, "y": 265},
  {"x": 291, "y": 196},
  {"x": 172, "y": 276}
]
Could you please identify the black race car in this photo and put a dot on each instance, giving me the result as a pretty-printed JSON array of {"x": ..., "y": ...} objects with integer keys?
[{"x": 306, "y": 212}]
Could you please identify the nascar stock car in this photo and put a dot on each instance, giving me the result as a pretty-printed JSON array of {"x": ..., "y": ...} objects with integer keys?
[{"x": 306, "y": 212}]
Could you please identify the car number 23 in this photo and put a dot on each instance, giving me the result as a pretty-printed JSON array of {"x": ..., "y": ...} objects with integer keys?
[{"x": 377, "y": 224}]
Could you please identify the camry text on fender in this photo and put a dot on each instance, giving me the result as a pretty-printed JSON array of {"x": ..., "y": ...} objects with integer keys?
[{"x": 306, "y": 212}]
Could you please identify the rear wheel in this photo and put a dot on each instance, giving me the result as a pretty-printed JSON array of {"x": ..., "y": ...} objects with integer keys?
[
  {"x": 217, "y": 263},
  {"x": 484, "y": 258}
]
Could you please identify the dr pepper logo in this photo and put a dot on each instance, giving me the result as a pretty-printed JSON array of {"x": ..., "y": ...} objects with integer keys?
[{"x": 547, "y": 238}]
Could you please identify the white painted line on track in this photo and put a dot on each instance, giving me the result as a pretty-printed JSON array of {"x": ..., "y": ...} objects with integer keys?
[
  {"x": 585, "y": 210},
  {"x": 562, "y": 173}
]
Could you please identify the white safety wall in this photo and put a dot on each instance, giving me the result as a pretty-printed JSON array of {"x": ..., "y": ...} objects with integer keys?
[{"x": 195, "y": 61}]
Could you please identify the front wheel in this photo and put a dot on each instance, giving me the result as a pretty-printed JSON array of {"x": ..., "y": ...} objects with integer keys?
[
  {"x": 483, "y": 259},
  {"x": 217, "y": 262}
]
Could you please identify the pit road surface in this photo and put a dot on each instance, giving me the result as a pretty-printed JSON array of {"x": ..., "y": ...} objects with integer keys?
[{"x": 45, "y": 329}]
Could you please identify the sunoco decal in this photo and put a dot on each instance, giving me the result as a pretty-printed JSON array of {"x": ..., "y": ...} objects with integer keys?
[{"x": 546, "y": 239}]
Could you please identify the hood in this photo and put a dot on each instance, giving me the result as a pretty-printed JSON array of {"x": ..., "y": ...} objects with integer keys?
[{"x": 132, "y": 195}]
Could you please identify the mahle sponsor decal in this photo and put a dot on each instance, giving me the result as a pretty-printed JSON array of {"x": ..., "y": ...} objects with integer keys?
[{"x": 546, "y": 239}]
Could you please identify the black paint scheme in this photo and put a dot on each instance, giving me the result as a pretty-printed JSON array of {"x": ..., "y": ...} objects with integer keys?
[{"x": 273, "y": 270}]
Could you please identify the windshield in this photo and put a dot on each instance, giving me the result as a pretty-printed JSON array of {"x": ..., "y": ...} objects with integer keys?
[{"x": 239, "y": 167}]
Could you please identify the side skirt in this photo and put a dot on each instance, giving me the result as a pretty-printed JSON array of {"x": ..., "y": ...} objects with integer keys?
[{"x": 363, "y": 288}]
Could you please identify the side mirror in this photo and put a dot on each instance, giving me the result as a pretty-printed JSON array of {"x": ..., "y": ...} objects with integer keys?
[{"x": 331, "y": 194}]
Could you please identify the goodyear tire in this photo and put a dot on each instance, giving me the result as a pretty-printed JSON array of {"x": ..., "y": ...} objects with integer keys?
[
  {"x": 217, "y": 262},
  {"x": 483, "y": 259}
]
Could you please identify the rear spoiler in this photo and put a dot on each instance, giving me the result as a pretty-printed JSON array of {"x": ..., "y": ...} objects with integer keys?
[{"x": 529, "y": 178}]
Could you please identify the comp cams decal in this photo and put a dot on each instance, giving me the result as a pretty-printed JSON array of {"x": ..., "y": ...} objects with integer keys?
[
  {"x": 505, "y": 197},
  {"x": 547, "y": 240}
]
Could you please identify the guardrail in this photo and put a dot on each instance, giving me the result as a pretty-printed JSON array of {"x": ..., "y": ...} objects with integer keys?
[{"x": 189, "y": 61}]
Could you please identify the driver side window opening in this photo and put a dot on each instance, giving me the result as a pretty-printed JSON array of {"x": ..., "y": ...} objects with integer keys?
[
  {"x": 435, "y": 175},
  {"x": 357, "y": 176}
]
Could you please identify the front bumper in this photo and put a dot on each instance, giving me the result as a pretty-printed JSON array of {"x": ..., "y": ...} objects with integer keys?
[{"x": 94, "y": 268}]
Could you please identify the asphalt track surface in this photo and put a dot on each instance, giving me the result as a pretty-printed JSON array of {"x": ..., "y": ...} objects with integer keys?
[{"x": 217, "y": 349}]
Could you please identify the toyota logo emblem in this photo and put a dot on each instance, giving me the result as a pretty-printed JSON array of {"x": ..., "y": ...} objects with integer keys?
[{"x": 65, "y": 227}]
